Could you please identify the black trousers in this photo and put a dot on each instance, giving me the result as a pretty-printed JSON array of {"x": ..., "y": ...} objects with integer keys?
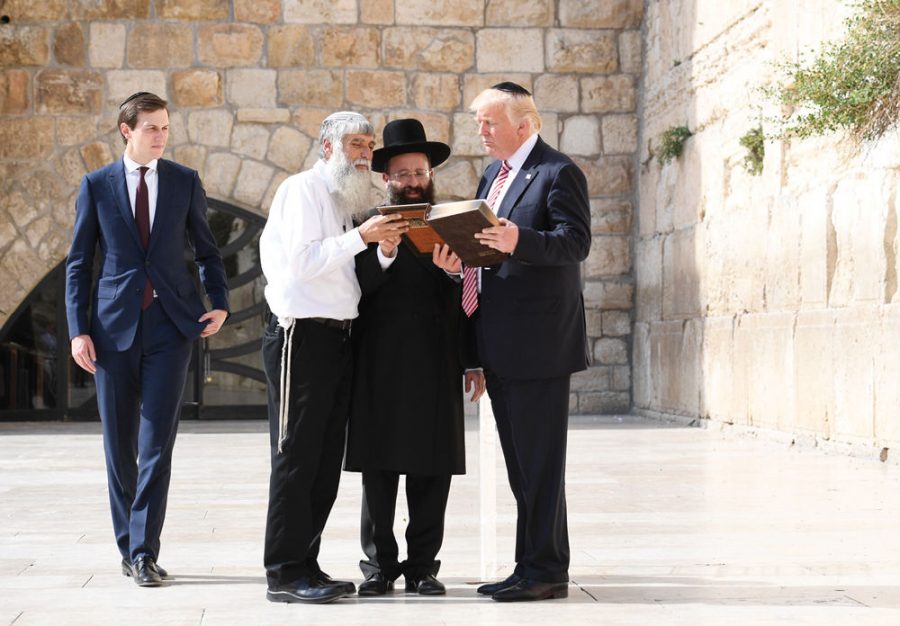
[
  {"x": 532, "y": 423},
  {"x": 139, "y": 393},
  {"x": 304, "y": 480},
  {"x": 426, "y": 498}
]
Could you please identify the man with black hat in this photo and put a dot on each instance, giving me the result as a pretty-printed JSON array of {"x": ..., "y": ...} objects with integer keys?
[{"x": 410, "y": 348}]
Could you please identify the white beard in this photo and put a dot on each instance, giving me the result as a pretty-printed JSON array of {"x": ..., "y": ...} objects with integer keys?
[{"x": 353, "y": 193}]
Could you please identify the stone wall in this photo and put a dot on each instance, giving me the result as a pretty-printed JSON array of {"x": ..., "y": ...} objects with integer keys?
[
  {"x": 765, "y": 301},
  {"x": 249, "y": 81}
]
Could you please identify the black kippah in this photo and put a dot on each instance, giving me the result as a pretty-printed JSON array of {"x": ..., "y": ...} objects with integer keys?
[{"x": 509, "y": 87}]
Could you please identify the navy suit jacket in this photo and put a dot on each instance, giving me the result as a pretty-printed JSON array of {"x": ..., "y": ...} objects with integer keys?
[
  {"x": 531, "y": 306},
  {"x": 103, "y": 216}
]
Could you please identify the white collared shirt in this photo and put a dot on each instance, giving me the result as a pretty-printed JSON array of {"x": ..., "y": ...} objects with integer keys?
[
  {"x": 516, "y": 161},
  {"x": 133, "y": 177},
  {"x": 307, "y": 249}
]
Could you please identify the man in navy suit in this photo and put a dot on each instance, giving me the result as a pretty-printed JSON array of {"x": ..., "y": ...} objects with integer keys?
[
  {"x": 529, "y": 318},
  {"x": 134, "y": 329}
]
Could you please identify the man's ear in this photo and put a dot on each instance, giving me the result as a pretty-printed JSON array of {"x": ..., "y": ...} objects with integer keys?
[
  {"x": 125, "y": 131},
  {"x": 327, "y": 148}
]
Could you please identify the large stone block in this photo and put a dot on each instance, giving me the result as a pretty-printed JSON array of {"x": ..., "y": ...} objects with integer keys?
[
  {"x": 117, "y": 10},
  {"x": 251, "y": 88},
  {"x": 69, "y": 91},
  {"x": 74, "y": 130},
  {"x": 641, "y": 366},
  {"x": 161, "y": 45},
  {"x": 250, "y": 140},
  {"x": 291, "y": 46},
  {"x": 581, "y": 135},
  {"x": 322, "y": 88},
  {"x": 608, "y": 295},
  {"x": 122, "y": 83},
  {"x": 376, "y": 11},
  {"x": 608, "y": 14},
  {"x": 466, "y": 141},
  {"x": 288, "y": 148},
  {"x": 595, "y": 378},
  {"x": 607, "y": 176},
  {"x": 263, "y": 116},
  {"x": 376, "y": 89},
  {"x": 604, "y": 403},
  {"x": 630, "y": 59},
  {"x": 309, "y": 120},
  {"x": 815, "y": 242},
  {"x": 783, "y": 256},
  {"x": 252, "y": 183},
  {"x": 610, "y": 351},
  {"x": 31, "y": 11},
  {"x": 619, "y": 134},
  {"x": 429, "y": 49},
  {"x": 436, "y": 91},
  {"x": 519, "y": 13},
  {"x": 682, "y": 274},
  {"x": 197, "y": 88},
  {"x": 856, "y": 348},
  {"x": 813, "y": 374},
  {"x": 887, "y": 391},
  {"x": 675, "y": 362},
  {"x": 460, "y": 13},
  {"x": 616, "y": 323},
  {"x": 510, "y": 50},
  {"x": 724, "y": 396},
  {"x": 608, "y": 94},
  {"x": 221, "y": 173},
  {"x": 344, "y": 46},
  {"x": 456, "y": 181},
  {"x": 556, "y": 92},
  {"x": 194, "y": 10},
  {"x": 194, "y": 157},
  {"x": 71, "y": 167},
  {"x": 320, "y": 11},
  {"x": 210, "y": 128},
  {"x": 610, "y": 216},
  {"x": 106, "y": 48},
  {"x": 648, "y": 254},
  {"x": 610, "y": 255},
  {"x": 15, "y": 85},
  {"x": 257, "y": 11},
  {"x": 590, "y": 52},
  {"x": 230, "y": 45},
  {"x": 68, "y": 45},
  {"x": 96, "y": 154},
  {"x": 24, "y": 45}
]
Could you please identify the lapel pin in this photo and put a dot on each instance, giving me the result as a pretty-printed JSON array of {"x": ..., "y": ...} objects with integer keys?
[{"x": 527, "y": 176}]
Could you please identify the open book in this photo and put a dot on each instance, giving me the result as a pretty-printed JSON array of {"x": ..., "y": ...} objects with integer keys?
[{"x": 453, "y": 223}]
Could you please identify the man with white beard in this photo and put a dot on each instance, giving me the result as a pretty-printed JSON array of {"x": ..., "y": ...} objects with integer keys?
[{"x": 307, "y": 252}]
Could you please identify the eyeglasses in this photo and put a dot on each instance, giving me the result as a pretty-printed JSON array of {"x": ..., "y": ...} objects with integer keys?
[{"x": 404, "y": 175}]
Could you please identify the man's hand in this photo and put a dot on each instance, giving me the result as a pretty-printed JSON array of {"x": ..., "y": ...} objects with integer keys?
[
  {"x": 389, "y": 247},
  {"x": 503, "y": 237},
  {"x": 475, "y": 379},
  {"x": 381, "y": 227},
  {"x": 84, "y": 354},
  {"x": 217, "y": 318},
  {"x": 446, "y": 259}
]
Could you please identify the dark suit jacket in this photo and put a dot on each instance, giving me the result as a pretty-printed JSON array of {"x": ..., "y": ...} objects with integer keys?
[
  {"x": 103, "y": 216},
  {"x": 531, "y": 307}
]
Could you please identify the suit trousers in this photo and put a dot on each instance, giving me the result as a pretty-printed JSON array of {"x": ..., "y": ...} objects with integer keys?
[
  {"x": 139, "y": 392},
  {"x": 426, "y": 498},
  {"x": 304, "y": 479},
  {"x": 532, "y": 424}
]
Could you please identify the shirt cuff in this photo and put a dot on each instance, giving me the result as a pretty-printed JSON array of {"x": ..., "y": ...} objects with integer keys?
[{"x": 384, "y": 261}]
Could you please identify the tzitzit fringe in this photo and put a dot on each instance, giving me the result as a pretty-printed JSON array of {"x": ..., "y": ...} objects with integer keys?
[{"x": 285, "y": 391}]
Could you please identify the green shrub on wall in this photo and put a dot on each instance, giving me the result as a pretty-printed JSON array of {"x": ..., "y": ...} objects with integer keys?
[
  {"x": 852, "y": 85},
  {"x": 672, "y": 143},
  {"x": 754, "y": 142}
]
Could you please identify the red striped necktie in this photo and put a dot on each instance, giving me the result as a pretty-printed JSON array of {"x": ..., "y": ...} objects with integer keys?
[{"x": 470, "y": 274}]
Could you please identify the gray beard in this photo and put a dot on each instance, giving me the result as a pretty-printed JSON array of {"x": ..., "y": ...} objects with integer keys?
[{"x": 353, "y": 189}]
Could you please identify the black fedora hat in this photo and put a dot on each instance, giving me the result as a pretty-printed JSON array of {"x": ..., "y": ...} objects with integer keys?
[{"x": 404, "y": 136}]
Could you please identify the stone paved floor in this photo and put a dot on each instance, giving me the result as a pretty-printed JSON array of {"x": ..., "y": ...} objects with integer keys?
[{"x": 668, "y": 525}]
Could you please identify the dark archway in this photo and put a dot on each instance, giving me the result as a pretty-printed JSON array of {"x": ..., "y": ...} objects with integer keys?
[{"x": 39, "y": 380}]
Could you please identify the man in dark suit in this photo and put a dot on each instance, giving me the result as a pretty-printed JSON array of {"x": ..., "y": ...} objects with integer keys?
[
  {"x": 411, "y": 346},
  {"x": 134, "y": 329},
  {"x": 530, "y": 326}
]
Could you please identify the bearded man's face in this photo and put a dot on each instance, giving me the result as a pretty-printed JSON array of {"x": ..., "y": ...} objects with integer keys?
[{"x": 408, "y": 179}]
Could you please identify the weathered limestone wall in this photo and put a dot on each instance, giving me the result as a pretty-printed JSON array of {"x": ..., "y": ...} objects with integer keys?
[
  {"x": 765, "y": 301},
  {"x": 249, "y": 81}
]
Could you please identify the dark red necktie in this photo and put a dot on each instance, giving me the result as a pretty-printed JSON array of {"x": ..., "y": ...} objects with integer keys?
[
  {"x": 142, "y": 217},
  {"x": 470, "y": 274}
]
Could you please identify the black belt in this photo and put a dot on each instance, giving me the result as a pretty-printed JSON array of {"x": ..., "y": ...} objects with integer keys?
[{"x": 331, "y": 323}]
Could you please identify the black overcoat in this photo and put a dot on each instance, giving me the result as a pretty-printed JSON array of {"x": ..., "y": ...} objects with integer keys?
[{"x": 411, "y": 345}]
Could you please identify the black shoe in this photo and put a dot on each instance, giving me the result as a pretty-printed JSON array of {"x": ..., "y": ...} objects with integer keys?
[
  {"x": 428, "y": 586},
  {"x": 145, "y": 573},
  {"x": 492, "y": 588},
  {"x": 345, "y": 585},
  {"x": 532, "y": 590},
  {"x": 304, "y": 590},
  {"x": 128, "y": 569},
  {"x": 375, "y": 585}
]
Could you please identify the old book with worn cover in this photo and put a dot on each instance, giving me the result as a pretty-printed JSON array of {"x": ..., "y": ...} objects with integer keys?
[
  {"x": 457, "y": 223},
  {"x": 421, "y": 237}
]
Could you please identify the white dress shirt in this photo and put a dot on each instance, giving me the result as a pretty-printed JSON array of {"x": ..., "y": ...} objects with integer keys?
[
  {"x": 151, "y": 177},
  {"x": 307, "y": 249}
]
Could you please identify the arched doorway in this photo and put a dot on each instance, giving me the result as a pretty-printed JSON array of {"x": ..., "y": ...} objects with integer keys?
[{"x": 39, "y": 380}]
